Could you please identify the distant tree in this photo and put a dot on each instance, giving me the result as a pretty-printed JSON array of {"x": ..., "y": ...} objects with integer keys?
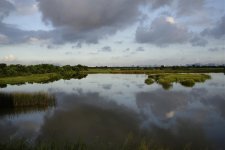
[{"x": 2, "y": 66}]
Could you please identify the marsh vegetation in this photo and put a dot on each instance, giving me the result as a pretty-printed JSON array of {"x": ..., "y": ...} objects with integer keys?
[
  {"x": 167, "y": 79},
  {"x": 15, "y": 100},
  {"x": 129, "y": 143},
  {"x": 21, "y": 103},
  {"x": 44, "y": 73}
]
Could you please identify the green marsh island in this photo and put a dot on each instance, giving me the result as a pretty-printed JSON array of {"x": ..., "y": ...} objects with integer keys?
[
  {"x": 44, "y": 73},
  {"x": 185, "y": 79}
]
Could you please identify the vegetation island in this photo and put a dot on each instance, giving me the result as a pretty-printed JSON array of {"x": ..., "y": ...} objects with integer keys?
[{"x": 164, "y": 75}]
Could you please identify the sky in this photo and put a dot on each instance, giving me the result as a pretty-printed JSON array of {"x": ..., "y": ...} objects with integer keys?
[{"x": 112, "y": 32}]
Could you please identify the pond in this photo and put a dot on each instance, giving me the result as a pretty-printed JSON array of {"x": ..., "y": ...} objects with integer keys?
[{"x": 107, "y": 110}]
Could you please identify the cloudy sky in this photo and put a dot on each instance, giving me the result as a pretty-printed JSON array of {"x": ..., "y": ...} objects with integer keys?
[{"x": 112, "y": 32}]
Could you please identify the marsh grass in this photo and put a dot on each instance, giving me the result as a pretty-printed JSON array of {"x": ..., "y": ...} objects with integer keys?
[
  {"x": 152, "y": 70},
  {"x": 188, "y": 80},
  {"x": 22, "y": 144},
  {"x": 21, "y": 100},
  {"x": 149, "y": 81},
  {"x": 129, "y": 144},
  {"x": 36, "y": 78},
  {"x": 39, "y": 78}
]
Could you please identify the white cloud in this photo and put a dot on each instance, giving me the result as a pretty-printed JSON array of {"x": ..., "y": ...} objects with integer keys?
[
  {"x": 170, "y": 20},
  {"x": 170, "y": 114},
  {"x": 9, "y": 58}
]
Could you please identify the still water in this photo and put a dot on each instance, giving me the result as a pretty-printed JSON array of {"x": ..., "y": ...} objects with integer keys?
[{"x": 108, "y": 108}]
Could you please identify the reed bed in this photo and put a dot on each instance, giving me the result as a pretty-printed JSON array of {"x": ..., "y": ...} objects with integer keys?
[
  {"x": 19, "y": 100},
  {"x": 128, "y": 144}
]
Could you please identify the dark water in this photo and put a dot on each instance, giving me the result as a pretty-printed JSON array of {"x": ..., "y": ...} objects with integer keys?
[{"x": 109, "y": 108}]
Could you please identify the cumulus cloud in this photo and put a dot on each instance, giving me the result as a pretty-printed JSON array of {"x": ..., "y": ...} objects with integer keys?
[
  {"x": 90, "y": 17},
  {"x": 119, "y": 42},
  {"x": 106, "y": 49},
  {"x": 68, "y": 53},
  {"x": 91, "y": 20},
  {"x": 218, "y": 31},
  {"x": 126, "y": 50},
  {"x": 76, "y": 21},
  {"x": 140, "y": 49},
  {"x": 216, "y": 49},
  {"x": 163, "y": 31},
  {"x": 9, "y": 58}
]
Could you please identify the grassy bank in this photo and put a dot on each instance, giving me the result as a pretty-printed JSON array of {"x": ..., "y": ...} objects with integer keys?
[
  {"x": 35, "y": 78},
  {"x": 49, "y": 77},
  {"x": 167, "y": 79},
  {"x": 152, "y": 70},
  {"x": 38, "y": 78}
]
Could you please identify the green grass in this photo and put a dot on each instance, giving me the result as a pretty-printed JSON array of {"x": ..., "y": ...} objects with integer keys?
[
  {"x": 152, "y": 71},
  {"x": 188, "y": 80},
  {"x": 35, "y": 78},
  {"x": 149, "y": 81},
  {"x": 39, "y": 78}
]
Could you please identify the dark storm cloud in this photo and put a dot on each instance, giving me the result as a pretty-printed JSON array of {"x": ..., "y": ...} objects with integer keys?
[
  {"x": 189, "y": 7},
  {"x": 90, "y": 20},
  {"x": 198, "y": 41},
  {"x": 74, "y": 21},
  {"x": 10, "y": 34},
  {"x": 13, "y": 34},
  {"x": 89, "y": 14},
  {"x": 5, "y": 8},
  {"x": 25, "y": 7},
  {"x": 159, "y": 3},
  {"x": 162, "y": 32},
  {"x": 57, "y": 36},
  {"x": 218, "y": 31},
  {"x": 17, "y": 36}
]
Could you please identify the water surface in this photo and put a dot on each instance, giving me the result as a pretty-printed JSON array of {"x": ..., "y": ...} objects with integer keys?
[{"x": 110, "y": 107}]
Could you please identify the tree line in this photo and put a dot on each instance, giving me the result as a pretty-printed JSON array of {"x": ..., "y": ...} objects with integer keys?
[{"x": 21, "y": 70}]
